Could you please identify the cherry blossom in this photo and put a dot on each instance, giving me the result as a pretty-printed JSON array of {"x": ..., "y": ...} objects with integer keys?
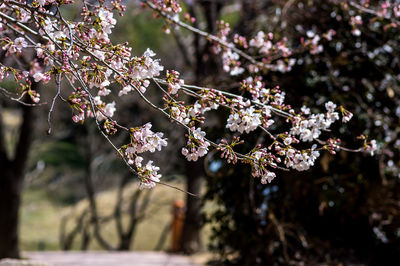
[{"x": 81, "y": 54}]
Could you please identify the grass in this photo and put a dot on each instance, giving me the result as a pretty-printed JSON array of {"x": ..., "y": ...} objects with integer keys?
[
  {"x": 41, "y": 217},
  {"x": 39, "y": 222}
]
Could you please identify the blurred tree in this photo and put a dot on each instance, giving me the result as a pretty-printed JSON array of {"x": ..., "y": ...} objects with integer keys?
[
  {"x": 205, "y": 68},
  {"x": 90, "y": 221},
  {"x": 11, "y": 180}
]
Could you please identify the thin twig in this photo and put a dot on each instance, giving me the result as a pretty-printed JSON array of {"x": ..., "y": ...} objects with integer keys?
[
  {"x": 58, "y": 81},
  {"x": 276, "y": 110},
  {"x": 7, "y": 94}
]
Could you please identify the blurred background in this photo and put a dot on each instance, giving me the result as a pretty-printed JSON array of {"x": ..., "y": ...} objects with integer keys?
[{"x": 344, "y": 211}]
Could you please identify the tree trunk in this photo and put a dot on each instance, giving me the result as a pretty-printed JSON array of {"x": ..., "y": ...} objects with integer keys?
[
  {"x": 10, "y": 194},
  {"x": 190, "y": 242},
  {"x": 206, "y": 67},
  {"x": 11, "y": 180}
]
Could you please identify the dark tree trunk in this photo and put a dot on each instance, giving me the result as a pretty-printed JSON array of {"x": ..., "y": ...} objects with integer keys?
[
  {"x": 10, "y": 192},
  {"x": 190, "y": 242},
  {"x": 206, "y": 69},
  {"x": 11, "y": 180}
]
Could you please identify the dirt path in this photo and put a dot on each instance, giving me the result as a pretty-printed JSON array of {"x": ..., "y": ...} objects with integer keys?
[{"x": 101, "y": 259}]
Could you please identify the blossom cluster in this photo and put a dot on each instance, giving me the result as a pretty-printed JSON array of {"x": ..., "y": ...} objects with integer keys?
[
  {"x": 276, "y": 54},
  {"x": 174, "y": 83},
  {"x": 261, "y": 160},
  {"x": 14, "y": 47},
  {"x": 82, "y": 54},
  {"x": 311, "y": 128},
  {"x": 246, "y": 120},
  {"x": 197, "y": 145},
  {"x": 143, "y": 139},
  {"x": 301, "y": 161}
]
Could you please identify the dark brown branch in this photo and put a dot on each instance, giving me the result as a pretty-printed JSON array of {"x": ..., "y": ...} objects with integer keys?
[
  {"x": 118, "y": 205},
  {"x": 144, "y": 205},
  {"x": 132, "y": 208},
  {"x": 85, "y": 236},
  {"x": 66, "y": 240},
  {"x": 126, "y": 237}
]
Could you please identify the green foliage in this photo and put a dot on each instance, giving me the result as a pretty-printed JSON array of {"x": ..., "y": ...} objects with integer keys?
[
  {"x": 9, "y": 85},
  {"x": 61, "y": 154},
  {"x": 141, "y": 31}
]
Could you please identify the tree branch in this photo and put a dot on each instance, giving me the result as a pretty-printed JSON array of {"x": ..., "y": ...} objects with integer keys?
[{"x": 118, "y": 205}]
